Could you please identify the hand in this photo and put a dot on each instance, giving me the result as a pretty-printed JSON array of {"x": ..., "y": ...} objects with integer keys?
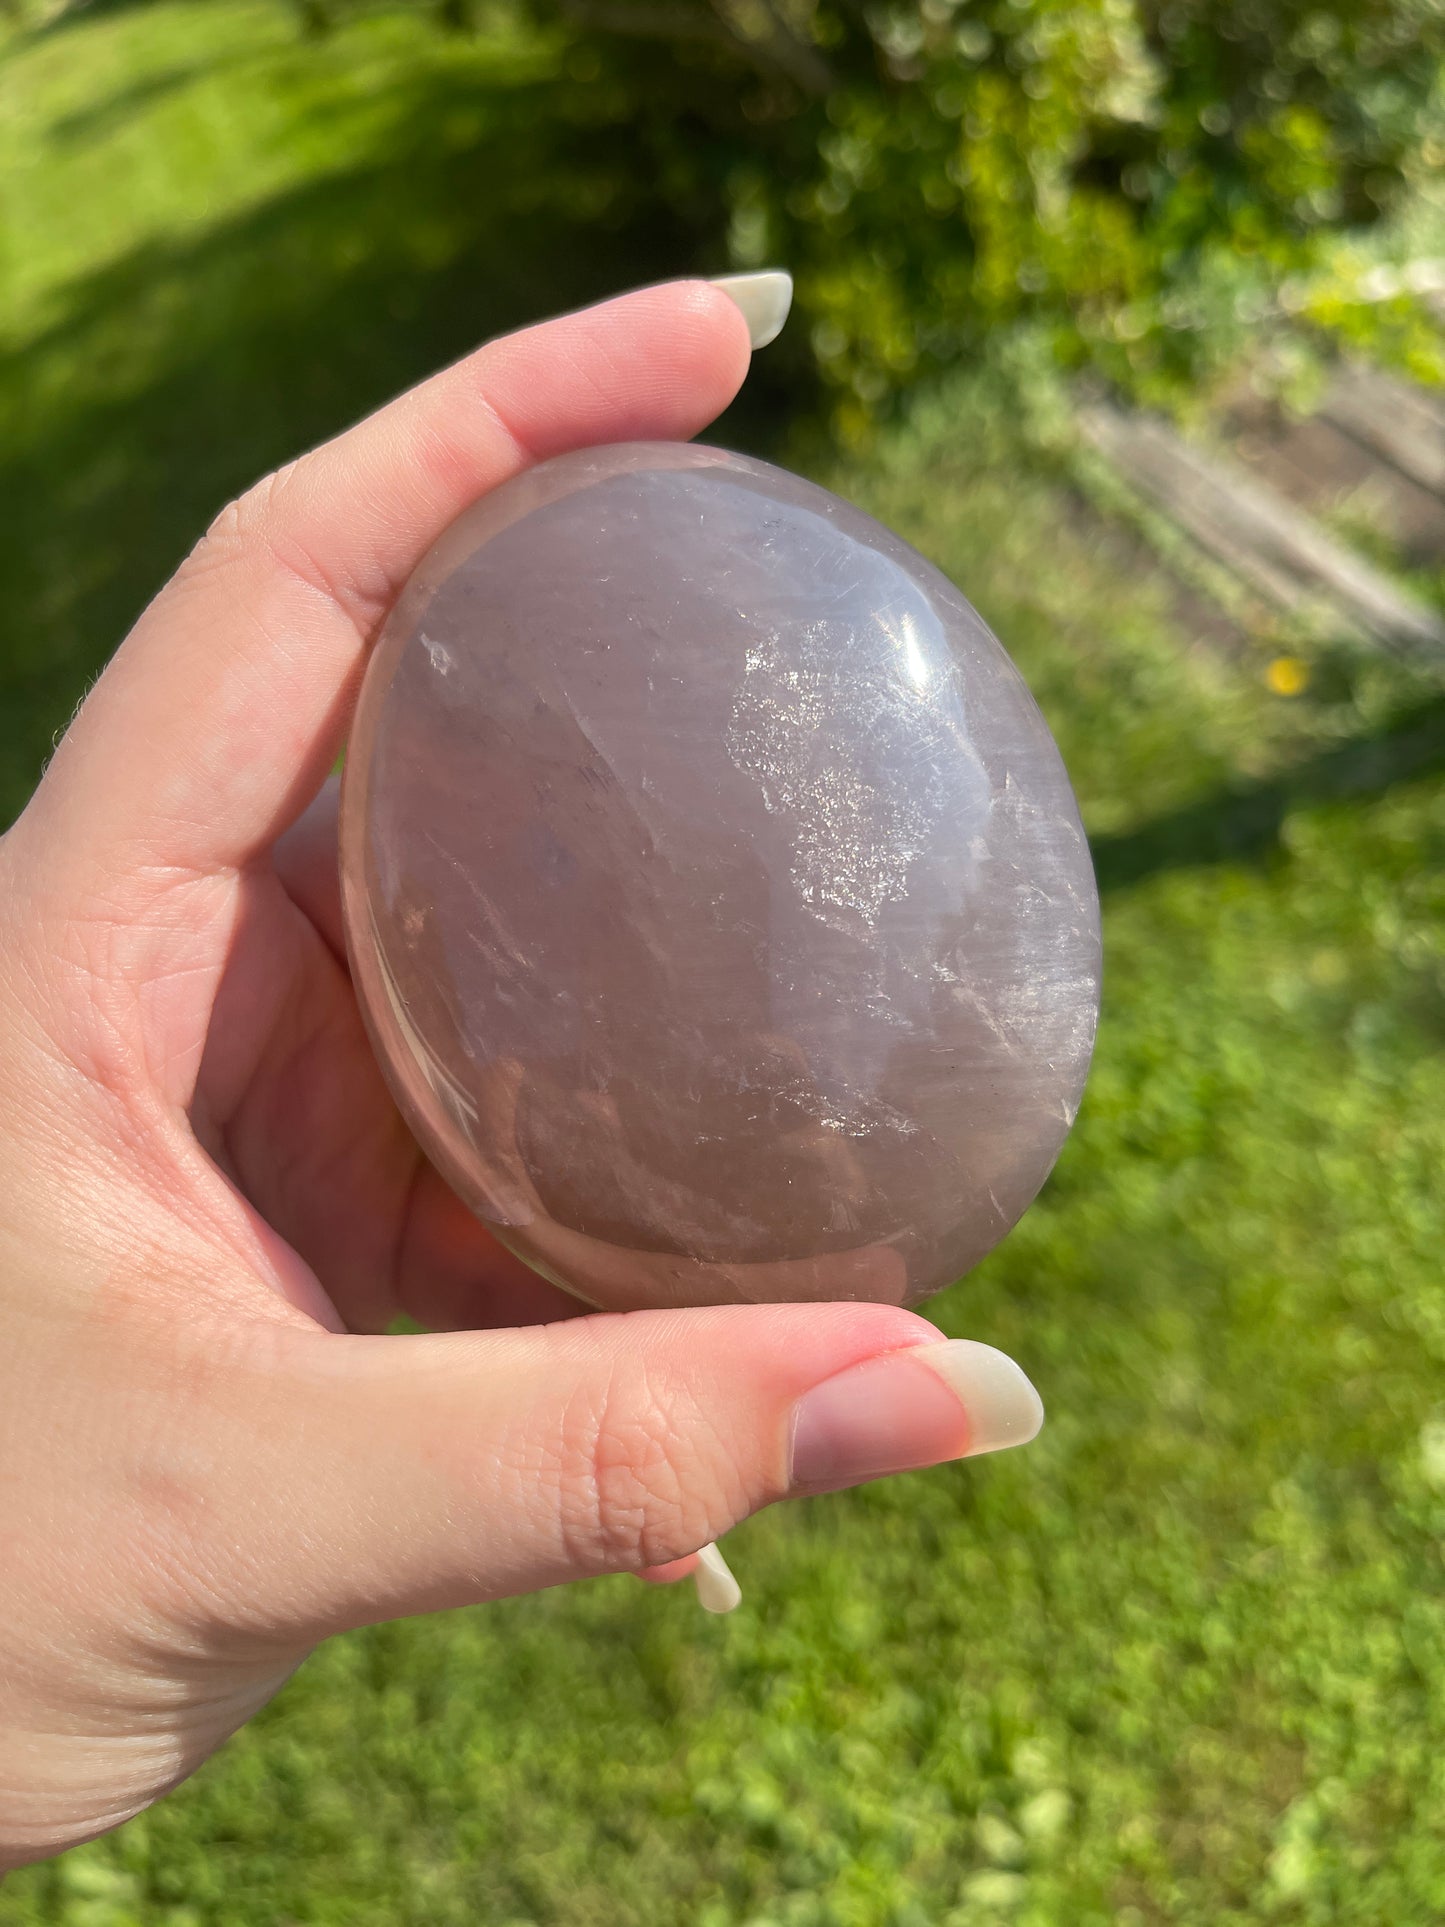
[{"x": 210, "y": 1459}]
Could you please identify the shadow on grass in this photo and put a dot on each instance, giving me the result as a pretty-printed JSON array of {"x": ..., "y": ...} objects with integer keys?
[
  {"x": 106, "y": 116},
  {"x": 1245, "y": 820},
  {"x": 179, "y": 374}
]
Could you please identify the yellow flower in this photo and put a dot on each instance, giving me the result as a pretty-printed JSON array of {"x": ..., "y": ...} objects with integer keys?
[{"x": 1287, "y": 676}]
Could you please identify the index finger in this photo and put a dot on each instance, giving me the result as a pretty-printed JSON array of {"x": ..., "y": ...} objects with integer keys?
[{"x": 220, "y": 715}]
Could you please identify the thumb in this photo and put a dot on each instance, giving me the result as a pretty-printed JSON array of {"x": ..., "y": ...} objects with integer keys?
[{"x": 404, "y": 1475}]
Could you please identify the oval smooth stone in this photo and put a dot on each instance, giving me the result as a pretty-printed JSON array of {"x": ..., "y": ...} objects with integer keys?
[{"x": 715, "y": 893}]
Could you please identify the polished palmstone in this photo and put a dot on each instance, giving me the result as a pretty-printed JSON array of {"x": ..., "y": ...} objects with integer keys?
[{"x": 715, "y": 892}]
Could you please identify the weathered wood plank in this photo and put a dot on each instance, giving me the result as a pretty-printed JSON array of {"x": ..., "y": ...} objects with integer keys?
[
  {"x": 1404, "y": 426},
  {"x": 1262, "y": 538}
]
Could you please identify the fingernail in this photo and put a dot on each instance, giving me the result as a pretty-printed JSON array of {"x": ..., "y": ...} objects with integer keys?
[
  {"x": 764, "y": 299},
  {"x": 909, "y": 1409},
  {"x": 717, "y": 1590}
]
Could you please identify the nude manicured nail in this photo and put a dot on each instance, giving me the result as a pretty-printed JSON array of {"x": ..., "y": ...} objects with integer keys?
[
  {"x": 764, "y": 299},
  {"x": 717, "y": 1590},
  {"x": 909, "y": 1409}
]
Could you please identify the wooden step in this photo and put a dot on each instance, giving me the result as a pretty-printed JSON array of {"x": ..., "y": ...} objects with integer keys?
[
  {"x": 1262, "y": 538},
  {"x": 1403, "y": 425}
]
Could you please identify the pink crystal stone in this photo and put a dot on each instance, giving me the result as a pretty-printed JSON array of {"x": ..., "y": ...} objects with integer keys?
[{"x": 716, "y": 896}]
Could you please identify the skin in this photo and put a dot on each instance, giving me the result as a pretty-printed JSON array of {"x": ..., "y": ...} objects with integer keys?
[{"x": 210, "y": 1456}]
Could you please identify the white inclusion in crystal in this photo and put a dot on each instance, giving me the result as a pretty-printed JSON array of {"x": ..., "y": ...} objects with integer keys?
[
  {"x": 440, "y": 657},
  {"x": 851, "y": 843},
  {"x": 854, "y": 731}
]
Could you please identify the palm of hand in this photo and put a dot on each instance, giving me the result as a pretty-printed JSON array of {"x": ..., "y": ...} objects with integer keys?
[{"x": 291, "y": 1105}]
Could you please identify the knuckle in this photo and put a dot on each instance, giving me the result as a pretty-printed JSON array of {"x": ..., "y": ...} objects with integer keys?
[
  {"x": 230, "y": 536},
  {"x": 277, "y": 533},
  {"x": 645, "y": 1475},
  {"x": 250, "y": 528}
]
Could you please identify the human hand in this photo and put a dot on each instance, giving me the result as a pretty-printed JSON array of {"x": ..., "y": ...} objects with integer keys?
[{"x": 211, "y": 1456}]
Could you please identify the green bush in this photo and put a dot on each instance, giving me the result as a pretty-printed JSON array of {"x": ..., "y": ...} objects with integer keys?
[
  {"x": 1141, "y": 179},
  {"x": 1139, "y": 183}
]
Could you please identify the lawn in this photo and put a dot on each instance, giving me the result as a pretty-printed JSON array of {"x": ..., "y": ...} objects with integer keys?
[{"x": 1182, "y": 1660}]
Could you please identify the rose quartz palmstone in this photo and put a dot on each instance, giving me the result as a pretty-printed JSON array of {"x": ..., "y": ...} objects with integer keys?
[{"x": 715, "y": 893}]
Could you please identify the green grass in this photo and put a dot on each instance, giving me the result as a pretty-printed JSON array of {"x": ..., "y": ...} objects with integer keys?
[{"x": 1184, "y": 1659}]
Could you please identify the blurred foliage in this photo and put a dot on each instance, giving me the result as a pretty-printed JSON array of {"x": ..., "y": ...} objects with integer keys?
[
  {"x": 1182, "y": 1660},
  {"x": 1146, "y": 182},
  {"x": 1146, "y": 178}
]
